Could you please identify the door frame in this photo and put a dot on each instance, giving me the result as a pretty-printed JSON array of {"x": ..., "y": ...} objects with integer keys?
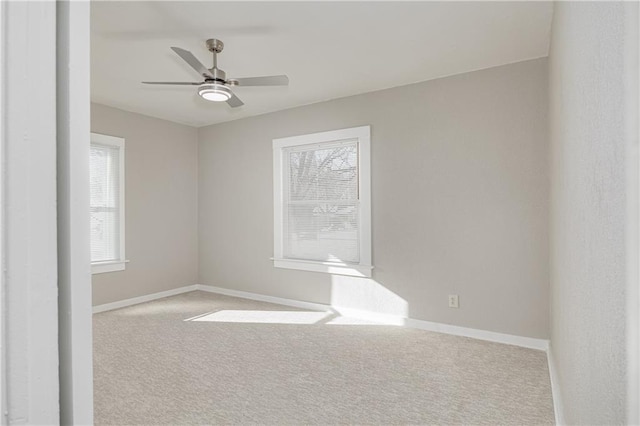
[{"x": 45, "y": 283}]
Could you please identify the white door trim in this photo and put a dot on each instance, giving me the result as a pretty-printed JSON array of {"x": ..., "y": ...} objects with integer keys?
[
  {"x": 29, "y": 209},
  {"x": 74, "y": 263},
  {"x": 632, "y": 123},
  {"x": 3, "y": 375}
]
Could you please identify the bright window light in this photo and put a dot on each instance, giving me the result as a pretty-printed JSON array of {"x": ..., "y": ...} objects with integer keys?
[
  {"x": 322, "y": 203},
  {"x": 106, "y": 173}
]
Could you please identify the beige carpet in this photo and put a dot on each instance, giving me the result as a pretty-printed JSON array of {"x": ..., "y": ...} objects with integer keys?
[{"x": 245, "y": 362}]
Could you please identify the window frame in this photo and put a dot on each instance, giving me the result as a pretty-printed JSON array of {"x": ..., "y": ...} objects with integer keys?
[
  {"x": 363, "y": 136},
  {"x": 114, "y": 265}
]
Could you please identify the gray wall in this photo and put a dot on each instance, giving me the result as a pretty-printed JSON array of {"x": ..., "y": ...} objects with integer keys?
[
  {"x": 587, "y": 129},
  {"x": 161, "y": 205},
  {"x": 459, "y": 199}
]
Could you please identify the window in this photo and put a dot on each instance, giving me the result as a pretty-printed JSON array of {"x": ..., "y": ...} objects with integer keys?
[
  {"x": 322, "y": 203},
  {"x": 107, "y": 203}
]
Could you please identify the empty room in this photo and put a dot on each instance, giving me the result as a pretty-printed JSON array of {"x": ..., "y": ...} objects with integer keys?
[{"x": 369, "y": 213}]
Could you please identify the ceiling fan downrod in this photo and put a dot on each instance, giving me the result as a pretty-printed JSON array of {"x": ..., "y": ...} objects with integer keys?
[{"x": 215, "y": 46}]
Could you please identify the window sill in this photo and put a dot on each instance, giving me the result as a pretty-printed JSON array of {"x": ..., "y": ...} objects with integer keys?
[
  {"x": 327, "y": 267},
  {"x": 111, "y": 266}
]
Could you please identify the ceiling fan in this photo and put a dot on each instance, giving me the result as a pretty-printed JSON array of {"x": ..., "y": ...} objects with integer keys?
[{"x": 215, "y": 86}]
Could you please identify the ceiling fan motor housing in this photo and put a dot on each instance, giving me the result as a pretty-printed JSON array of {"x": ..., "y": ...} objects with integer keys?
[{"x": 216, "y": 75}]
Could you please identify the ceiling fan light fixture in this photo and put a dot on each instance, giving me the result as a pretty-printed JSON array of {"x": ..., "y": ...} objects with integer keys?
[
  {"x": 214, "y": 92},
  {"x": 215, "y": 86}
]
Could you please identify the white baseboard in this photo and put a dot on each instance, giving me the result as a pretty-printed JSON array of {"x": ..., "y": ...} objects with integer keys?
[
  {"x": 146, "y": 298},
  {"x": 555, "y": 388},
  {"x": 491, "y": 336},
  {"x": 526, "y": 342},
  {"x": 378, "y": 317}
]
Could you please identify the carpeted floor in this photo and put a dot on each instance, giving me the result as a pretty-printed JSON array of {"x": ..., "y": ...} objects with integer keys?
[{"x": 200, "y": 358}]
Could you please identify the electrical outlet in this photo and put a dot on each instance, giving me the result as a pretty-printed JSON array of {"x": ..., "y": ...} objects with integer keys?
[{"x": 453, "y": 301}]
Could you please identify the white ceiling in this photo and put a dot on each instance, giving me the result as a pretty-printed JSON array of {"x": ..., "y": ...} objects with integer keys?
[{"x": 328, "y": 49}]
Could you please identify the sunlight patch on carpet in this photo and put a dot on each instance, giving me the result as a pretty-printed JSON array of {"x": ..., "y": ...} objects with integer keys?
[{"x": 263, "y": 317}]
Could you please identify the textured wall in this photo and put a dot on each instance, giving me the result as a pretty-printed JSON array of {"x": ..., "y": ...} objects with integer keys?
[
  {"x": 161, "y": 188},
  {"x": 587, "y": 117},
  {"x": 459, "y": 199}
]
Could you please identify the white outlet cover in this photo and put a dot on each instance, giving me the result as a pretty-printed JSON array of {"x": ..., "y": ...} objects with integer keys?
[{"x": 453, "y": 301}]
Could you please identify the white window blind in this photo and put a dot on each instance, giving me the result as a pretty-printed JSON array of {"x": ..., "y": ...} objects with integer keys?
[
  {"x": 105, "y": 203},
  {"x": 321, "y": 202},
  {"x": 106, "y": 163}
]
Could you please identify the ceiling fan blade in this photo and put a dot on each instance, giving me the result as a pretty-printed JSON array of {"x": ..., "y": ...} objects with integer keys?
[
  {"x": 175, "y": 83},
  {"x": 193, "y": 61},
  {"x": 269, "y": 80},
  {"x": 234, "y": 102}
]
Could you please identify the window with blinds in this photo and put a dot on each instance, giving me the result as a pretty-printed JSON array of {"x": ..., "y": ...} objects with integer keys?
[
  {"x": 107, "y": 201},
  {"x": 322, "y": 214},
  {"x": 321, "y": 202}
]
